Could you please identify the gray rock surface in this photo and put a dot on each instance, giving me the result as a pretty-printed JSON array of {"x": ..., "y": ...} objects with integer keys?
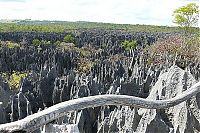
[
  {"x": 114, "y": 70},
  {"x": 182, "y": 118}
]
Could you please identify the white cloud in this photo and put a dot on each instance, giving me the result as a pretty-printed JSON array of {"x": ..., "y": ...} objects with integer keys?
[{"x": 157, "y": 12}]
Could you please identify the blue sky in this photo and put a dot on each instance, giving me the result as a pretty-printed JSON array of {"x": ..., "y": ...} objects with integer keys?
[{"x": 153, "y": 12}]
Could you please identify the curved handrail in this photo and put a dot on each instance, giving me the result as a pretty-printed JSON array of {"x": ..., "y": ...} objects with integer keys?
[{"x": 33, "y": 122}]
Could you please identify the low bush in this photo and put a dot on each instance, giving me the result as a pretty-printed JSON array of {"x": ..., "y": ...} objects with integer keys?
[
  {"x": 9, "y": 44},
  {"x": 14, "y": 79},
  {"x": 36, "y": 42},
  {"x": 174, "y": 48},
  {"x": 69, "y": 39},
  {"x": 129, "y": 44}
]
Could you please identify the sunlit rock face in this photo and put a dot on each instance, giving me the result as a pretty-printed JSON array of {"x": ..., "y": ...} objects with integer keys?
[
  {"x": 70, "y": 128},
  {"x": 183, "y": 118}
]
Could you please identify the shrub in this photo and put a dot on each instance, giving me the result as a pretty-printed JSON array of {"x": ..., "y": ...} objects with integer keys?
[
  {"x": 128, "y": 45},
  {"x": 36, "y": 42},
  {"x": 84, "y": 65},
  {"x": 174, "y": 48},
  {"x": 14, "y": 79},
  {"x": 45, "y": 42},
  {"x": 9, "y": 44},
  {"x": 69, "y": 39}
]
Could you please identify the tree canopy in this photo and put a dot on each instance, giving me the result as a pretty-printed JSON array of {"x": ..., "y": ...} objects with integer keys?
[
  {"x": 187, "y": 16},
  {"x": 69, "y": 39},
  {"x": 128, "y": 45}
]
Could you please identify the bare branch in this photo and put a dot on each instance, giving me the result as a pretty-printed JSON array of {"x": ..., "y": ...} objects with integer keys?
[{"x": 33, "y": 122}]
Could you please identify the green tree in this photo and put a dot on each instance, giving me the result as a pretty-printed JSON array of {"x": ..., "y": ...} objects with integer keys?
[
  {"x": 129, "y": 45},
  {"x": 69, "y": 39},
  {"x": 36, "y": 42},
  {"x": 187, "y": 16},
  {"x": 12, "y": 45}
]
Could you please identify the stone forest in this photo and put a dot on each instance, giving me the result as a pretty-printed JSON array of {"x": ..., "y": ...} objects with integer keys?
[{"x": 98, "y": 78}]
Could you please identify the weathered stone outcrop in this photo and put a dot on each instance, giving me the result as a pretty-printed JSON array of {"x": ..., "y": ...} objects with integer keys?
[{"x": 54, "y": 78}]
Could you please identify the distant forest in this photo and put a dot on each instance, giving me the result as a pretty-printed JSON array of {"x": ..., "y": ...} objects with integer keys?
[{"x": 64, "y": 26}]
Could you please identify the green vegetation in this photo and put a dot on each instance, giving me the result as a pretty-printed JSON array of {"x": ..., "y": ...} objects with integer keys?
[
  {"x": 12, "y": 45},
  {"x": 84, "y": 52},
  {"x": 65, "y": 46},
  {"x": 84, "y": 65},
  {"x": 182, "y": 49},
  {"x": 9, "y": 44},
  {"x": 129, "y": 45},
  {"x": 174, "y": 48},
  {"x": 187, "y": 16},
  {"x": 45, "y": 42},
  {"x": 36, "y": 42},
  {"x": 69, "y": 39},
  {"x": 63, "y": 26},
  {"x": 14, "y": 79}
]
